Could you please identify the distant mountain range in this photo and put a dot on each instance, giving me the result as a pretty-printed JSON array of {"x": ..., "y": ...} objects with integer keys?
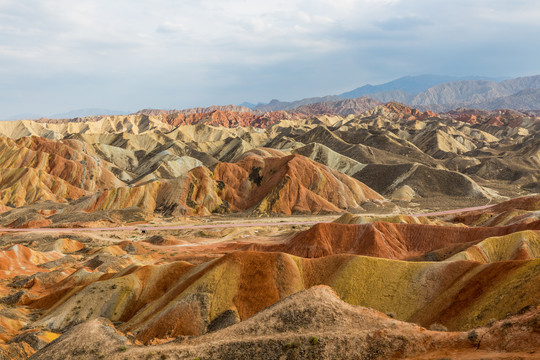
[
  {"x": 87, "y": 112},
  {"x": 276, "y": 105},
  {"x": 438, "y": 93},
  {"x": 410, "y": 84},
  {"x": 69, "y": 115}
]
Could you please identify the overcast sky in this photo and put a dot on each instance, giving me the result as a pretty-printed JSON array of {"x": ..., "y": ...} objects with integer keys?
[{"x": 61, "y": 55}]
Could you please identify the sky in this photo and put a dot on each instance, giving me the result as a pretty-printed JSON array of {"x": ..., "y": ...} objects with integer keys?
[{"x": 127, "y": 55}]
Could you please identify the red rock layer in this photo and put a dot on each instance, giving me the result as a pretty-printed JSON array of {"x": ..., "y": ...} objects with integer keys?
[
  {"x": 287, "y": 185},
  {"x": 526, "y": 203},
  {"x": 226, "y": 118},
  {"x": 387, "y": 240},
  {"x": 407, "y": 113},
  {"x": 197, "y": 110},
  {"x": 342, "y": 108},
  {"x": 508, "y": 118},
  {"x": 65, "y": 159}
]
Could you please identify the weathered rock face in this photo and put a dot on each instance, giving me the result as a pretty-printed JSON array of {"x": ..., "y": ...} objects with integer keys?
[
  {"x": 424, "y": 181},
  {"x": 227, "y": 119},
  {"x": 236, "y": 289},
  {"x": 147, "y": 160},
  {"x": 286, "y": 329},
  {"x": 36, "y": 169},
  {"x": 274, "y": 185},
  {"x": 343, "y": 107},
  {"x": 289, "y": 184},
  {"x": 241, "y": 288},
  {"x": 404, "y": 112},
  {"x": 19, "y": 259},
  {"x": 391, "y": 241},
  {"x": 179, "y": 299},
  {"x": 504, "y": 118}
]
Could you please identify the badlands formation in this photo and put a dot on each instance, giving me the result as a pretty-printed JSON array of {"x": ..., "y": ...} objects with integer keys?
[{"x": 314, "y": 233}]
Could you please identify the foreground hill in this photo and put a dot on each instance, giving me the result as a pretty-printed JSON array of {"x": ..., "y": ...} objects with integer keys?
[
  {"x": 311, "y": 324},
  {"x": 178, "y": 299},
  {"x": 215, "y": 293}
]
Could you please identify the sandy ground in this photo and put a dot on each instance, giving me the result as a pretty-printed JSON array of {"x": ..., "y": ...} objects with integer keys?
[{"x": 214, "y": 222}]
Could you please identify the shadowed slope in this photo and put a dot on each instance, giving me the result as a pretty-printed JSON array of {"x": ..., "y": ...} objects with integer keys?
[{"x": 423, "y": 180}]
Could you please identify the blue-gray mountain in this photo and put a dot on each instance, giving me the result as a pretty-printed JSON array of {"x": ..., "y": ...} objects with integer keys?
[
  {"x": 439, "y": 93},
  {"x": 409, "y": 84}
]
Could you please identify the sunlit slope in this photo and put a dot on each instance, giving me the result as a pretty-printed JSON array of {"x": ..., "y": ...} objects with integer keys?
[
  {"x": 385, "y": 239},
  {"x": 179, "y": 299}
]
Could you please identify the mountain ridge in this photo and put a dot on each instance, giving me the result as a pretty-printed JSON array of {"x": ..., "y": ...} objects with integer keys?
[{"x": 437, "y": 93}]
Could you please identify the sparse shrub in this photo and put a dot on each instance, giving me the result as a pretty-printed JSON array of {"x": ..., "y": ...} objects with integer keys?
[
  {"x": 113, "y": 286},
  {"x": 292, "y": 345},
  {"x": 506, "y": 325},
  {"x": 491, "y": 322},
  {"x": 391, "y": 315},
  {"x": 314, "y": 340},
  {"x": 525, "y": 309},
  {"x": 472, "y": 336},
  {"x": 294, "y": 226},
  {"x": 438, "y": 327},
  {"x": 122, "y": 348}
]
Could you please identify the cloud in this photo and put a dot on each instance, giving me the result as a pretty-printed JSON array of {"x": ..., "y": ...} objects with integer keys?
[{"x": 179, "y": 53}]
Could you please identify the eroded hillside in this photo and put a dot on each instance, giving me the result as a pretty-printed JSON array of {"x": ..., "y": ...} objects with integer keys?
[
  {"x": 290, "y": 234},
  {"x": 288, "y": 164}
]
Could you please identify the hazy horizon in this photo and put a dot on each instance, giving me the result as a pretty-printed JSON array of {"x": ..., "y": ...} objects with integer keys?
[{"x": 61, "y": 56}]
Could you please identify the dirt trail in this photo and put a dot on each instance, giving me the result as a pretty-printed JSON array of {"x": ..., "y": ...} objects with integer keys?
[
  {"x": 447, "y": 212},
  {"x": 220, "y": 225}
]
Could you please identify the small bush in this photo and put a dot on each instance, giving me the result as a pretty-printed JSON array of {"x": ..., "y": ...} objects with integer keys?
[
  {"x": 391, "y": 315},
  {"x": 314, "y": 340},
  {"x": 506, "y": 325},
  {"x": 122, "y": 348},
  {"x": 472, "y": 336}
]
